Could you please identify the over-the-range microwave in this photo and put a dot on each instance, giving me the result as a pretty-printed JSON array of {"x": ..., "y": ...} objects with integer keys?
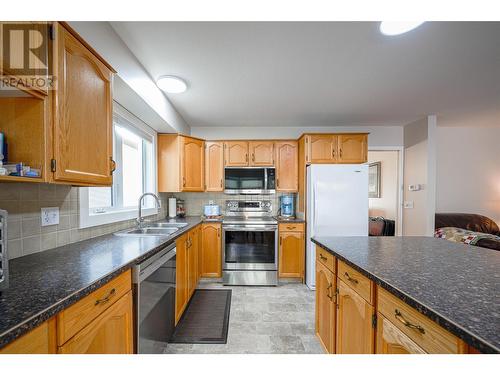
[{"x": 250, "y": 180}]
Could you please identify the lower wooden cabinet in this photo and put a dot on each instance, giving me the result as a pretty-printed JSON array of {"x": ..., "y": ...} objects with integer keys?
[
  {"x": 355, "y": 322},
  {"x": 40, "y": 340},
  {"x": 110, "y": 333},
  {"x": 391, "y": 340},
  {"x": 291, "y": 253},
  {"x": 211, "y": 250},
  {"x": 193, "y": 250},
  {"x": 325, "y": 307}
]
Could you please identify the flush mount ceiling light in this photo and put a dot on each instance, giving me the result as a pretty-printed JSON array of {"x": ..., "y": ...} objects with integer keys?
[
  {"x": 396, "y": 28},
  {"x": 171, "y": 84}
]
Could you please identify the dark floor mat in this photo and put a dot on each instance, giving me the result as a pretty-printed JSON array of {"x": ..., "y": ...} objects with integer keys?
[{"x": 206, "y": 318}]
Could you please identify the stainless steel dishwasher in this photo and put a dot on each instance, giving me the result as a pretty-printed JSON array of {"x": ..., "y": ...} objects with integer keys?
[{"x": 154, "y": 303}]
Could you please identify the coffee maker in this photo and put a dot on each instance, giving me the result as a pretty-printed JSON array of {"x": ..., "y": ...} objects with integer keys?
[{"x": 287, "y": 206}]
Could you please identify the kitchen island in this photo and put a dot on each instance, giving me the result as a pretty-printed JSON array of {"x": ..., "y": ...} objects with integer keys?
[{"x": 454, "y": 286}]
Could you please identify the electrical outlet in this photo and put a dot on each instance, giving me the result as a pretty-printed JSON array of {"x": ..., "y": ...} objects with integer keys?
[
  {"x": 408, "y": 204},
  {"x": 50, "y": 216}
]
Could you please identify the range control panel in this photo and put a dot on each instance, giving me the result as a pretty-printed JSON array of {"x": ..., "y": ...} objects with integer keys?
[{"x": 264, "y": 206}]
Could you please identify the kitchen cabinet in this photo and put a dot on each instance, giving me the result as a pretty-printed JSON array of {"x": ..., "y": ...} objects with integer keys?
[
  {"x": 261, "y": 153},
  {"x": 352, "y": 148},
  {"x": 83, "y": 115},
  {"x": 325, "y": 307},
  {"x": 211, "y": 251},
  {"x": 214, "y": 166},
  {"x": 180, "y": 163},
  {"x": 40, "y": 340},
  {"x": 193, "y": 254},
  {"x": 287, "y": 166},
  {"x": 322, "y": 148},
  {"x": 181, "y": 275},
  {"x": 110, "y": 333},
  {"x": 355, "y": 322},
  {"x": 391, "y": 340},
  {"x": 236, "y": 154},
  {"x": 65, "y": 132},
  {"x": 291, "y": 251}
]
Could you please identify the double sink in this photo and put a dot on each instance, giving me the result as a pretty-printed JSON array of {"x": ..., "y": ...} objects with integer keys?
[{"x": 152, "y": 230}]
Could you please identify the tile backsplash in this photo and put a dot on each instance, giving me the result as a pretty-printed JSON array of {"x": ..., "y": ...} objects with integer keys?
[{"x": 25, "y": 233}]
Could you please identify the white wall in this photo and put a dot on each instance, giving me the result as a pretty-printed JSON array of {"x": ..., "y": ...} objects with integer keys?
[
  {"x": 103, "y": 38},
  {"x": 387, "y": 204},
  {"x": 468, "y": 170},
  {"x": 379, "y": 135}
]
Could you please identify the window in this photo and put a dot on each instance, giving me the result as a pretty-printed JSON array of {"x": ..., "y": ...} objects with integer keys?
[{"x": 133, "y": 151}]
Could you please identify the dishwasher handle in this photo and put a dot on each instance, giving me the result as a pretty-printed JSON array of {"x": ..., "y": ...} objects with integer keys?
[{"x": 142, "y": 273}]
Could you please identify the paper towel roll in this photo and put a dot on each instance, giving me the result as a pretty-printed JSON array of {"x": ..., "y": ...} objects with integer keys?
[{"x": 172, "y": 207}]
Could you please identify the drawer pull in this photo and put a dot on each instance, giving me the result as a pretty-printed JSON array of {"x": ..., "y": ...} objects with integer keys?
[
  {"x": 322, "y": 257},
  {"x": 107, "y": 298},
  {"x": 328, "y": 291},
  {"x": 399, "y": 316},
  {"x": 290, "y": 228},
  {"x": 352, "y": 280}
]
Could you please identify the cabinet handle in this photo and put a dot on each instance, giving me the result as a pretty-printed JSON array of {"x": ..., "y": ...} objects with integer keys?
[
  {"x": 322, "y": 257},
  {"x": 113, "y": 163},
  {"x": 183, "y": 181},
  {"x": 337, "y": 297},
  {"x": 221, "y": 183},
  {"x": 294, "y": 228},
  {"x": 328, "y": 291},
  {"x": 341, "y": 153},
  {"x": 281, "y": 240},
  {"x": 278, "y": 182},
  {"x": 253, "y": 157},
  {"x": 218, "y": 232},
  {"x": 106, "y": 298},
  {"x": 399, "y": 316},
  {"x": 349, "y": 278},
  {"x": 333, "y": 153},
  {"x": 246, "y": 158}
]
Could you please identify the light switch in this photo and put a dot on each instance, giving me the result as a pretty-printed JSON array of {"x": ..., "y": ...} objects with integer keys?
[
  {"x": 408, "y": 204},
  {"x": 50, "y": 216}
]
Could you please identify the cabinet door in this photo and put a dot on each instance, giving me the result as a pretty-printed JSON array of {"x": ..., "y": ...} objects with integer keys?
[
  {"x": 192, "y": 251},
  {"x": 391, "y": 340},
  {"x": 322, "y": 148},
  {"x": 291, "y": 254},
  {"x": 214, "y": 166},
  {"x": 83, "y": 146},
  {"x": 40, "y": 340},
  {"x": 353, "y": 148},
  {"x": 287, "y": 166},
  {"x": 355, "y": 332},
  {"x": 325, "y": 307},
  {"x": 261, "y": 153},
  {"x": 109, "y": 333},
  {"x": 192, "y": 160},
  {"x": 211, "y": 253},
  {"x": 236, "y": 154},
  {"x": 181, "y": 276}
]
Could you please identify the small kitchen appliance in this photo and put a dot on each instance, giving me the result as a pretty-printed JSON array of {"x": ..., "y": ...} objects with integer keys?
[{"x": 287, "y": 206}]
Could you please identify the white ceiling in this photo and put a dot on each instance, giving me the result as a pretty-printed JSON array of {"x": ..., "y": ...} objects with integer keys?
[{"x": 322, "y": 74}]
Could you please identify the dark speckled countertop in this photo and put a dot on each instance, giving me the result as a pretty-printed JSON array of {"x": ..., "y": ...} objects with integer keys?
[
  {"x": 43, "y": 284},
  {"x": 455, "y": 285}
]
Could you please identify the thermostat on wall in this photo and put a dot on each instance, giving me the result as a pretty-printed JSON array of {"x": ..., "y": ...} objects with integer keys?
[{"x": 415, "y": 187}]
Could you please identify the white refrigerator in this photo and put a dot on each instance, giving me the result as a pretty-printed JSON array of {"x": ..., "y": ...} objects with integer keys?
[{"x": 337, "y": 205}]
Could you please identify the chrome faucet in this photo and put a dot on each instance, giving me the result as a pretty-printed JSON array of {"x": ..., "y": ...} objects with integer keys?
[{"x": 140, "y": 219}]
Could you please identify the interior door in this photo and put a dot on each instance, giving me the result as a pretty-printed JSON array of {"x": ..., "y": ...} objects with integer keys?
[
  {"x": 192, "y": 164},
  {"x": 83, "y": 121}
]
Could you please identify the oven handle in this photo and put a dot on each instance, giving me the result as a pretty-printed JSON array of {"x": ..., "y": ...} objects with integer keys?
[{"x": 238, "y": 228}]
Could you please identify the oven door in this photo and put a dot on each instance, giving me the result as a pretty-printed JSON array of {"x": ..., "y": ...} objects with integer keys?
[{"x": 250, "y": 247}]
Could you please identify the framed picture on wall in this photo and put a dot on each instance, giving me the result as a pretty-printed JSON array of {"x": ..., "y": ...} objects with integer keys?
[{"x": 374, "y": 170}]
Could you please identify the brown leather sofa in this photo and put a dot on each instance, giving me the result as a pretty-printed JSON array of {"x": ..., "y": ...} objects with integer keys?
[{"x": 473, "y": 222}]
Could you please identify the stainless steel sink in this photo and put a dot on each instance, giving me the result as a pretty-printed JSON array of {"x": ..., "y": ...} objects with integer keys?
[
  {"x": 166, "y": 225},
  {"x": 147, "y": 232}
]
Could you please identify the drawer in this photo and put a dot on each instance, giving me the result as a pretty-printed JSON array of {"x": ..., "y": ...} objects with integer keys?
[
  {"x": 423, "y": 331},
  {"x": 291, "y": 227},
  {"x": 326, "y": 258},
  {"x": 77, "y": 316},
  {"x": 357, "y": 281}
]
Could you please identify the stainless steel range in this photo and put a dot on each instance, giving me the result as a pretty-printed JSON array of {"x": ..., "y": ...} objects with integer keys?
[{"x": 250, "y": 243}]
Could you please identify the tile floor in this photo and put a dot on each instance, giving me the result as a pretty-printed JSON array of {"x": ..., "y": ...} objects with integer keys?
[{"x": 267, "y": 320}]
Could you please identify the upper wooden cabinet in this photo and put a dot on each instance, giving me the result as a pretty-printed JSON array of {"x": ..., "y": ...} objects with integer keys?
[
  {"x": 287, "y": 166},
  {"x": 261, "y": 153},
  {"x": 352, "y": 148},
  {"x": 180, "y": 163},
  {"x": 236, "y": 154},
  {"x": 83, "y": 116},
  {"x": 214, "y": 166},
  {"x": 321, "y": 148}
]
